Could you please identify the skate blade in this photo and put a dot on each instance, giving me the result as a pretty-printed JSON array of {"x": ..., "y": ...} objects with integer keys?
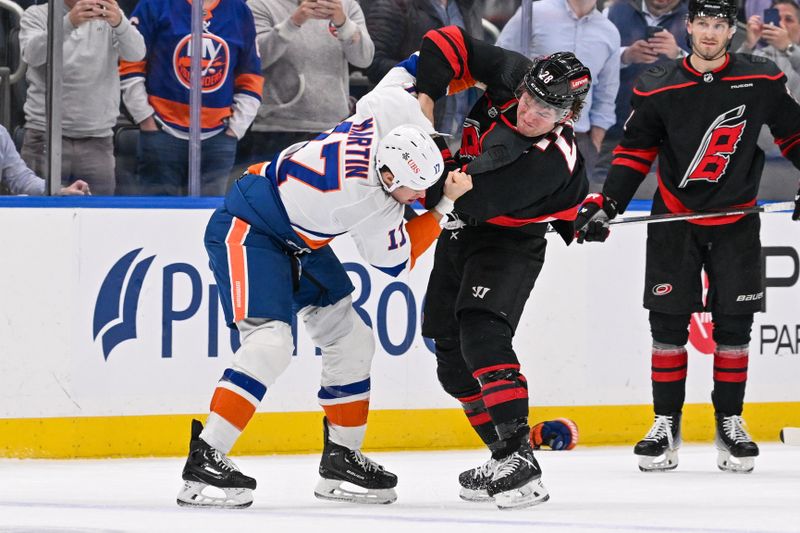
[
  {"x": 660, "y": 463},
  {"x": 191, "y": 495},
  {"x": 473, "y": 495},
  {"x": 528, "y": 495},
  {"x": 738, "y": 465},
  {"x": 342, "y": 491}
]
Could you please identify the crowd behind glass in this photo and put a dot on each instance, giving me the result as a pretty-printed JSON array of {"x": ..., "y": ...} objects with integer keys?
[{"x": 276, "y": 72}]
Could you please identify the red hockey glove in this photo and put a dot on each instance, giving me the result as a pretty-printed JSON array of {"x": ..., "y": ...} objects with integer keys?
[
  {"x": 591, "y": 224},
  {"x": 558, "y": 434}
]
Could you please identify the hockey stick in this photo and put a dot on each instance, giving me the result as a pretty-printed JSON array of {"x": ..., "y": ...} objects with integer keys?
[
  {"x": 790, "y": 436},
  {"x": 672, "y": 217}
]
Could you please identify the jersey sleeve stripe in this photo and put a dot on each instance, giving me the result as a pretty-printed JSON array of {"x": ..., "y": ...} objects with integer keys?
[
  {"x": 250, "y": 83},
  {"x": 630, "y": 163},
  {"x": 647, "y": 154},
  {"x": 129, "y": 69},
  {"x": 785, "y": 149},
  {"x": 451, "y": 42}
]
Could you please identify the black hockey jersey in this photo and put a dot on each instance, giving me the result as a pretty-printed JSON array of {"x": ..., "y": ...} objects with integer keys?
[
  {"x": 704, "y": 129},
  {"x": 517, "y": 180}
]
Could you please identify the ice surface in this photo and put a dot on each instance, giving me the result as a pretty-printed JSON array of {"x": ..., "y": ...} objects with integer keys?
[{"x": 592, "y": 489}]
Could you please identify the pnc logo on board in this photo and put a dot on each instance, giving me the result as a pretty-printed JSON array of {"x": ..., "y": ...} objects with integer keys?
[{"x": 118, "y": 300}]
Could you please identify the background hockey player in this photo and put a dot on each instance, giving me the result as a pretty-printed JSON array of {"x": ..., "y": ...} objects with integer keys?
[
  {"x": 701, "y": 116},
  {"x": 269, "y": 251},
  {"x": 519, "y": 147}
]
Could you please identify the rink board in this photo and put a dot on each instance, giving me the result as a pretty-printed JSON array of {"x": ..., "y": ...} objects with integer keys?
[{"x": 111, "y": 337}]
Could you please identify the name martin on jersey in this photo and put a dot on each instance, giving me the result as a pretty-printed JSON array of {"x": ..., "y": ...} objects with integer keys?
[{"x": 356, "y": 162}]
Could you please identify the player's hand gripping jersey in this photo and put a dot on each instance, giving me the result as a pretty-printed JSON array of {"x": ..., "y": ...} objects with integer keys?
[
  {"x": 330, "y": 186},
  {"x": 710, "y": 158},
  {"x": 517, "y": 180}
]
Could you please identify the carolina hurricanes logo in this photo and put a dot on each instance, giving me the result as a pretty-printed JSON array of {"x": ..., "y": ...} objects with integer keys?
[
  {"x": 470, "y": 139},
  {"x": 719, "y": 143},
  {"x": 214, "y": 62},
  {"x": 662, "y": 289}
]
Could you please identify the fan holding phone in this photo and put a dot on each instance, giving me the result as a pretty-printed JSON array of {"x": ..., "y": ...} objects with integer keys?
[
  {"x": 779, "y": 27},
  {"x": 776, "y": 36}
]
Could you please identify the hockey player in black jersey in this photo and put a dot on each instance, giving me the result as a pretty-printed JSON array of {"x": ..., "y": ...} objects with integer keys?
[
  {"x": 701, "y": 116},
  {"x": 518, "y": 146}
]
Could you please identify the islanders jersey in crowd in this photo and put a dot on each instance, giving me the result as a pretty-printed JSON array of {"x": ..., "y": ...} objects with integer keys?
[
  {"x": 330, "y": 186},
  {"x": 231, "y": 81}
]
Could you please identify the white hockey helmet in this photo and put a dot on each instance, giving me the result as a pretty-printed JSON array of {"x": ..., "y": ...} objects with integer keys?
[{"x": 412, "y": 156}]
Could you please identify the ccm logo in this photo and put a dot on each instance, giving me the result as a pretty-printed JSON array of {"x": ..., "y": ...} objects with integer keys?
[
  {"x": 413, "y": 166},
  {"x": 750, "y": 297},
  {"x": 662, "y": 288}
]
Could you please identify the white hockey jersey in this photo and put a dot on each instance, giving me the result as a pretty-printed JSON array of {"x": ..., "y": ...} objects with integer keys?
[{"x": 330, "y": 185}]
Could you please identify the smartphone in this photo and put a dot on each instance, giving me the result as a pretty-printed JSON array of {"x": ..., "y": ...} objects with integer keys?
[
  {"x": 652, "y": 30},
  {"x": 772, "y": 16}
]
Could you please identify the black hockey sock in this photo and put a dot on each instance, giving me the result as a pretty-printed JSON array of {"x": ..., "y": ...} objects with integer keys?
[
  {"x": 669, "y": 364},
  {"x": 479, "y": 418},
  {"x": 730, "y": 378},
  {"x": 505, "y": 395}
]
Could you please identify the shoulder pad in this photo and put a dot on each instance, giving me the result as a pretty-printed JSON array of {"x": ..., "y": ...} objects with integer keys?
[
  {"x": 657, "y": 76},
  {"x": 756, "y": 59},
  {"x": 656, "y": 71},
  {"x": 749, "y": 64}
]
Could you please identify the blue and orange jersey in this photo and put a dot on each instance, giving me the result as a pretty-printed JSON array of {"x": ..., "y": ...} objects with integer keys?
[{"x": 231, "y": 67}]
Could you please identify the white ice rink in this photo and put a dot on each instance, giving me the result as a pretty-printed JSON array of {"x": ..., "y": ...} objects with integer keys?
[{"x": 592, "y": 489}]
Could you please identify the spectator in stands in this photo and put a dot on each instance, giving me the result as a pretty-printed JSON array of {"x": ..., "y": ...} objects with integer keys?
[
  {"x": 752, "y": 7},
  {"x": 19, "y": 179},
  {"x": 632, "y": 18},
  {"x": 305, "y": 50},
  {"x": 156, "y": 92},
  {"x": 576, "y": 26},
  {"x": 397, "y": 27},
  {"x": 96, "y": 36},
  {"x": 651, "y": 32},
  {"x": 781, "y": 47},
  {"x": 782, "y": 42}
]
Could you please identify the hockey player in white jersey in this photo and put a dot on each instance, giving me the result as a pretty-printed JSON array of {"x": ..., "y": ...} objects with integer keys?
[{"x": 268, "y": 248}]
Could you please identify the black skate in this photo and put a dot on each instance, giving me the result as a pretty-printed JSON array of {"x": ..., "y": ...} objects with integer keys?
[
  {"x": 366, "y": 480},
  {"x": 736, "y": 450},
  {"x": 517, "y": 481},
  {"x": 475, "y": 481},
  {"x": 658, "y": 450},
  {"x": 208, "y": 468}
]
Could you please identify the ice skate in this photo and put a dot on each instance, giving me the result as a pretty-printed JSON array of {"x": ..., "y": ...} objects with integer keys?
[
  {"x": 736, "y": 450},
  {"x": 475, "y": 481},
  {"x": 517, "y": 481},
  {"x": 349, "y": 476},
  {"x": 658, "y": 450},
  {"x": 208, "y": 474}
]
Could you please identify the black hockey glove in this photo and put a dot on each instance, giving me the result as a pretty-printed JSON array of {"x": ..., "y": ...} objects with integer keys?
[
  {"x": 796, "y": 214},
  {"x": 591, "y": 224}
]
